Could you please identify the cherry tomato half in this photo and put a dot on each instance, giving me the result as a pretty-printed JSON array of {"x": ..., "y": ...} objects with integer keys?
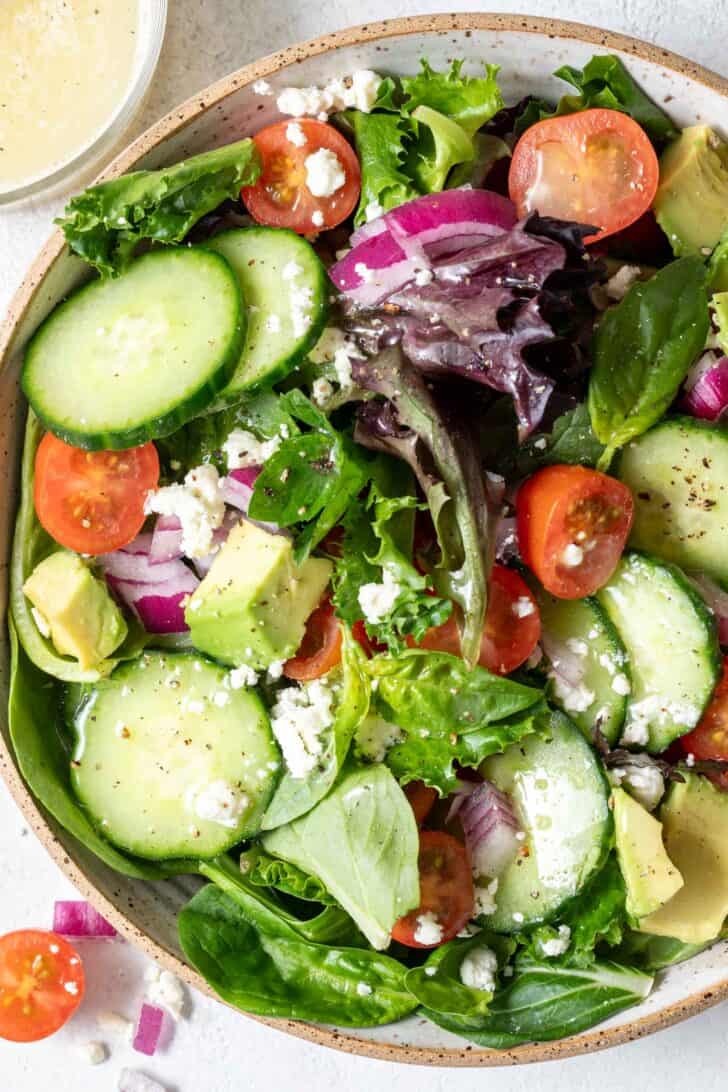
[
  {"x": 446, "y": 890},
  {"x": 370, "y": 646},
  {"x": 287, "y": 192},
  {"x": 512, "y": 625},
  {"x": 572, "y": 525},
  {"x": 421, "y": 799},
  {"x": 710, "y": 739},
  {"x": 41, "y": 984},
  {"x": 320, "y": 648},
  {"x": 596, "y": 167},
  {"x": 92, "y": 501}
]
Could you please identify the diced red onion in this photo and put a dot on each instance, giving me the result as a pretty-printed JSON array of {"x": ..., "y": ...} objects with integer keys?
[
  {"x": 374, "y": 270},
  {"x": 154, "y": 591},
  {"x": 75, "y": 918},
  {"x": 490, "y": 827},
  {"x": 166, "y": 540},
  {"x": 717, "y": 600},
  {"x": 139, "y": 568},
  {"x": 706, "y": 387},
  {"x": 148, "y": 1029},
  {"x": 246, "y": 475},
  {"x": 367, "y": 230},
  {"x": 236, "y": 493},
  {"x": 131, "y": 1080}
]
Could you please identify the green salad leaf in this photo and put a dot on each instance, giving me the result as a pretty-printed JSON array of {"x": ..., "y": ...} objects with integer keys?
[
  {"x": 382, "y": 142},
  {"x": 262, "y": 870},
  {"x": 437, "y": 984},
  {"x": 571, "y": 440},
  {"x": 105, "y": 223},
  {"x": 361, "y": 842},
  {"x": 440, "y": 146},
  {"x": 718, "y": 267},
  {"x": 653, "y": 953},
  {"x": 294, "y": 796},
  {"x": 468, "y": 100},
  {"x": 642, "y": 351}
]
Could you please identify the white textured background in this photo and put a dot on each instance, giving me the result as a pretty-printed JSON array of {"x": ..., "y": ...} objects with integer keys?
[{"x": 215, "y": 1050}]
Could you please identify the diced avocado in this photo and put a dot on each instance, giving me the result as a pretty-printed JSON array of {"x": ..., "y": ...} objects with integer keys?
[
  {"x": 649, "y": 875},
  {"x": 82, "y": 618},
  {"x": 253, "y": 605},
  {"x": 695, "y": 820},
  {"x": 691, "y": 203},
  {"x": 718, "y": 267}
]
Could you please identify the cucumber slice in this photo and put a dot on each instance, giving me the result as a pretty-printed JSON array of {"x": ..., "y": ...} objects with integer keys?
[
  {"x": 169, "y": 760},
  {"x": 672, "y": 645},
  {"x": 678, "y": 473},
  {"x": 131, "y": 359},
  {"x": 286, "y": 313},
  {"x": 561, "y": 796},
  {"x": 584, "y": 655}
]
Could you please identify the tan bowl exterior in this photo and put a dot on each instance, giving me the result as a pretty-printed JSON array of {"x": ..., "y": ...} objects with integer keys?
[{"x": 122, "y": 901}]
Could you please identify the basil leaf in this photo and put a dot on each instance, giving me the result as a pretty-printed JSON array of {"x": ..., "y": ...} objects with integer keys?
[
  {"x": 105, "y": 223},
  {"x": 642, "y": 351},
  {"x": 571, "y": 441},
  {"x": 361, "y": 842}
]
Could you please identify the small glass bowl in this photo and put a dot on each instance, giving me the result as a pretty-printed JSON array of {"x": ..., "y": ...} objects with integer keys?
[{"x": 152, "y": 23}]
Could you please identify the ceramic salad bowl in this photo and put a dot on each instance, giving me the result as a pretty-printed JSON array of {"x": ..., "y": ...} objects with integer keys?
[{"x": 527, "y": 51}]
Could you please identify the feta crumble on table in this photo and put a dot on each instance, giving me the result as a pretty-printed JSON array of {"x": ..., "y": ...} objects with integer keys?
[
  {"x": 358, "y": 90},
  {"x": 478, "y": 969},
  {"x": 198, "y": 505},
  {"x": 299, "y": 717},
  {"x": 133, "y": 1080},
  {"x": 166, "y": 990},
  {"x": 428, "y": 929},
  {"x": 556, "y": 946},
  {"x": 92, "y": 1052},
  {"x": 377, "y": 600},
  {"x": 324, "y": 173},
  {"x": 295, "y": 134},
  {"x": 262, "y": 87},
  {"x": 115, "y": 1024},
  {"x": 242, "y": 449},
  {"x": 220, "y": 802}
]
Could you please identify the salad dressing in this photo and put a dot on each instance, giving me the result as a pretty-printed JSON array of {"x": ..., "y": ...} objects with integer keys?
[{"x": 65, "y": 66}]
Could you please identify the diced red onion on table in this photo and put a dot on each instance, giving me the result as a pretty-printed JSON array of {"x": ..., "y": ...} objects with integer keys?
[
  {"x": 148, "y": 1029},
  {"x": 490, "y": 827},
  {"x": 75, "y": 918},
  {"x": 706, "y": 387}
]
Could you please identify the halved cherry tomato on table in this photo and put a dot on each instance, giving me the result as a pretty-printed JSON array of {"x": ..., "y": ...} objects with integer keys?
[
  {"x": 596, "y": 167},
  {"x": 281, "y": 197},
  {"x": 512, "y": 625},
  {"x": 572, "y": 525},
  {"x": 92, "y": 501},
  {"x": 421, "y": 799},
  {"x": 320, "y": 649},
  {"x": 41, "y": 984},
  {"x": 446, "y": 890},
  {"x": 709, "y": 741}
]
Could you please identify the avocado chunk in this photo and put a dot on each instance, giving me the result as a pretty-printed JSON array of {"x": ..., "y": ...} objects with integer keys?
[
  {"x": 649, "y": 875},
  {"x": 253, "y": 605},
  {"x": 695, "y": 821},
  {"x": 75, "y": 608},
  {"x": 691, "y": 203}
]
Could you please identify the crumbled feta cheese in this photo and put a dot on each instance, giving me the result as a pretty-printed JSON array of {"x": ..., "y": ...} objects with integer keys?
[
  {"x": 333, "y": 347},
  {"x": 575, "y": 697},
  {"x": 275, "y": 670},
  {"x": 298, "y": 719},
  {"x": 618, "y": 285},
  {"x": 363, "y": 989},
  {"x": 653, "y": 709},
  {"x": 324, "y": 173},
  {"x": 423, "y": 277},
  {"x": 621, "y": 685},
  {"x": 428, "y": 930},
  {"x": 577, "y": 646},
  {"x": 132, "y": 1080},
  {"x": 295, "y": 134},
  {"x": 166, "y": 990},
  {"x": 372, "y": 212},
  {"x": 115, "y": 1024},
  {"x": 479, "y": 968},
  {"x": 301, "y": 300},
  {"x": 572, "y": 555},
  {"x": 198, "y": 505},
  {"x": 540, "y": 444},
  {"x": 219, "y": 802},
  {"x": 375, "y": 736},
  {"x": 690, "y": 760},
  {"x": 262, "y": 87},
  {"x": 273, "y": 324},
  {"x": 92, "y": 1052},
  {"x": 523, "y": 606},
  {"x": 321, "y": 391},
  {"x": 645, "y": 783},
  {"x": 377, "y": 600},
  {"x": 41, "y": 622},
  {"x": 363, "y": 272},
  {"x": 485, "y": 898},
  {"x": 317, "y": 218},
  {"x": 243, "y": 449},
  {"x": 518, "y": 917},
  {"x": 242, "y": 676},
  {"x": 291, "y": 270},
  {"x": 557, "y": 945},
  {"x": 71, "y": 987},
  {"x": 358, "y": 90}
]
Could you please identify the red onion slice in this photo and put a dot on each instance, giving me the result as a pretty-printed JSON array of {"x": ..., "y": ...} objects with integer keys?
[
  {"x": 490, "y": 827},
  {"x": 166, "y": 540},
  {"x": 236, "y": 493},
  {"x": 716, "y": 598},
  {"x": 706, "y": 387},
  {"x": 75, "y": 918},
  {"x": 246, "y": 475},
  {"x": 148, "y": 1029}
]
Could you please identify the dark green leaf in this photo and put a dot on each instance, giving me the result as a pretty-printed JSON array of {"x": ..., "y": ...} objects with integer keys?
[
  {"x": 718, "y": 267},
  {"x": 643, "y": 349},
  {"x": 382, "y": 143},
  {"x": 653, "y": 953},
  {"x": 105, "y": 223},
  {"x": 437, "y": 984},
  {"x": 571, "y": 441},
  {"x": 468, "y": 100}
]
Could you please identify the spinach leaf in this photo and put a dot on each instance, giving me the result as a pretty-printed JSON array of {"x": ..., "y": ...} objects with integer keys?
[
  {"x": 448, "y": 714},
  {"x": 361, "y": 842},
  {"x": 546, "y": 1001},
  {"x": 468, "y": 100},
  {"x": 104, "y": 223},
  {"x": 437, "y": 984},
  {"x": 571, "y": 441},
  {"x": 295, "y": 796},
  {"x": 382, "y": 143},
  {"x": 262, "y": 870},
  {"x": 257, "y": 962},
  {"x": 718, "y": 267},
  {"x": 31, "y": 545},
  {"x": 311, "y": 479},
  {"x": 35, "y": 727},
  {"x": 642, "y": 351},
  {"x": 654, "y": 953}
]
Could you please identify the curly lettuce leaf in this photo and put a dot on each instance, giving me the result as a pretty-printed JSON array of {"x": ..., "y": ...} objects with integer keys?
[
  {"x": 105, "y": 223},
  {"x": 469, "y": 101},
  {"x": 383, "y": 143}
]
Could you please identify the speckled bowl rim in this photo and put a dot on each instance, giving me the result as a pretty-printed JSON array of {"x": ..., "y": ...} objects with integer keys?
[{"x": 468, "y": 1054}]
